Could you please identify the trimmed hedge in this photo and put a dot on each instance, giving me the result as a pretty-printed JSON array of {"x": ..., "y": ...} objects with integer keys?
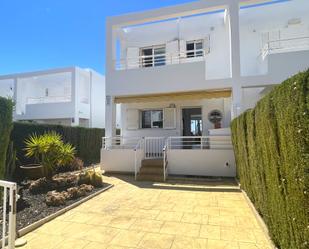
[
  {"x": 6, "y": 124},
  {"x": 271, "y": 144},
  {"x": 87, "y": 141}
]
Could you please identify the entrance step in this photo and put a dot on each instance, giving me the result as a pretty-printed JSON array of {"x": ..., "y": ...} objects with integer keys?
[
  {"x": 150, "y": 178},
  {"x": 152, "y": 162},
  {"x": 151, "y": 170}
]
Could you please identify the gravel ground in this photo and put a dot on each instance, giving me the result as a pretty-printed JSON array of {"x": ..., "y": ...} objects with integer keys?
[{"x": 34, "y": 208}]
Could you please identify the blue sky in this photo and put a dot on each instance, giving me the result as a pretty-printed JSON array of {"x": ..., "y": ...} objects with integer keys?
[{"x": 42, "y": 34}]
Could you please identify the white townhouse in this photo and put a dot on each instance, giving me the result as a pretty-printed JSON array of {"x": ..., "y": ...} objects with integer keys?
[
  {"x": 67, "y": 96},
  {"x": 182, "y": 73}
]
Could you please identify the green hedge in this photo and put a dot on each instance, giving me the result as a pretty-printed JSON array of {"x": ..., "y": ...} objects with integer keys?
[
  {"x": 271, "y": 144},
  {"x": 6, "y": 110},
  {"x": 87, "y": 141}
]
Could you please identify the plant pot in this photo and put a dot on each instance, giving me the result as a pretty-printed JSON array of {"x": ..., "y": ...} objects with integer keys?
[
  {"x": 217, "y": 125},
  {"x": 32, "y": 171}
]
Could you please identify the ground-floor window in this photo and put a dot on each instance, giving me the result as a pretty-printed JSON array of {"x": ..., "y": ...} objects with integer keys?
[{"x": 152, "y": 119}]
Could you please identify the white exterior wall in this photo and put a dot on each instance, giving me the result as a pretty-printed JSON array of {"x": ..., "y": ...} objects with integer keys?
[
  {"x": 119, "y": 160},
  {"x": 97, "y": 108},
  {"x": 202, "y": 162},
  {"x": 207, "y": 106}
]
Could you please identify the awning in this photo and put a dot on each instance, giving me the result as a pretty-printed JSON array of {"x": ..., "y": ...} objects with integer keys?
[{"x": 174, "y": 96}]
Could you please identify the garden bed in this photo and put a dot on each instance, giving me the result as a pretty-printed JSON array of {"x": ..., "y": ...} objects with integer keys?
[{"x": 33, "y": 207}]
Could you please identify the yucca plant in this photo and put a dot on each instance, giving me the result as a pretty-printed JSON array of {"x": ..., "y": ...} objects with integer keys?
[{"x": 49, "y": 150}]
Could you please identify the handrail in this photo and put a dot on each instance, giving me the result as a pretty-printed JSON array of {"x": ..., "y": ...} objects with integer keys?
[
  {"x": 137, "y": 147},
  {"x": 165, "y": 160},
  {"x": 200, "y": 142},
  {"x": 267, "y": 48},
  {"x": 119, "y": 142},
  {"x": 160, "y": 59},
  {"x": 48, "y": 99}
]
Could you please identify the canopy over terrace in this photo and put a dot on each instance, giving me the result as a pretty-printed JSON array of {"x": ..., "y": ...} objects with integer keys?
[{"x": 225, "y": 93}]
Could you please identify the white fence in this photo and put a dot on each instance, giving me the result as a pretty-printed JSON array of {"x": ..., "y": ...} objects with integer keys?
[{"x": 9, "y": 209}]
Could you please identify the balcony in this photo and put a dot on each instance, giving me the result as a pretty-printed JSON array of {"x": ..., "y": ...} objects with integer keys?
[
  {"x": 48, "y": 99},
  {"x": 161, "y": 59},
  {"x": 285, "y": 45}
]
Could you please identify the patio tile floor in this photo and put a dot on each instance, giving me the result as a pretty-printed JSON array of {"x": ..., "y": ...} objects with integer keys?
[{"x": 143, "y": 215}]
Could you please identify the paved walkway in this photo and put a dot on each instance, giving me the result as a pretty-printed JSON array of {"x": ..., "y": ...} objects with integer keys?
[{"x": 161, "y": 216}]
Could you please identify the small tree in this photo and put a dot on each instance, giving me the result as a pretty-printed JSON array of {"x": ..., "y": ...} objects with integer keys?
[{"x": 50, "y": 151}]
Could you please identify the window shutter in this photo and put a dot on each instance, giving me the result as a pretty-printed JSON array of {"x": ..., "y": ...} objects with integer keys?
[
  {"x": 132, "y": 119},
  {"x": 169, "y": 120},
  {"x": 132, "y": 58},
  {"x": 172, "y": 53},
  {"x": 207, "y": 44}
]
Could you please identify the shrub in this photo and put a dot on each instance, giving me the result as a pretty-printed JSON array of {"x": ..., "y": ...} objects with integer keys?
[
  {"x": 271, "y": 145},
  {"x": 76, "y": 164},
  {"x": 50, "y": 151},
  {"x": 87, "y": 141},
  {"x": 6, "y": 110}
]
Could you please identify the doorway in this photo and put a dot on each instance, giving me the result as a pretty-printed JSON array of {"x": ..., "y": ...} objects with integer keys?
[{"x": 192, "y": 122}]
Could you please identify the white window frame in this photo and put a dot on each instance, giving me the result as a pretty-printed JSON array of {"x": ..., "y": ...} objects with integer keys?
[
  {"x": 151, "y": 121},
  {"x": 195, "y": 51},
  {"x": 153, "y": 56}
]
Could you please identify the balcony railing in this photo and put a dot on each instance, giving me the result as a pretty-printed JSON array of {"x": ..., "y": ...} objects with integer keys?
[
  {"x": 49, "y": 99},
  {"x": 144, "y": 61},
  {"x": 285, "y": 45}
]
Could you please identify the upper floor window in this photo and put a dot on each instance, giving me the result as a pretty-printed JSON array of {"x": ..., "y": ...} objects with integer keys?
[
  {"x": 195, "y": 48},
  {"x": 152, "y": 119},
  {"x": 153, "y": 56}
]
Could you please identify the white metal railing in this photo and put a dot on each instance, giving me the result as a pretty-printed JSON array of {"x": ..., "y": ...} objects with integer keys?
[
  {"x": 153, "y": 147},
  {"x": 120, "y": 142},
  {"x": 200, "y": 142},
  {"x": 165, "y": 160},
  {"x": 161, "y": 59},
  {"x": 9, "y": 209},
  {"x": 284, "y": 45},
  {"x": 48, "y": 99},
  {"x": 138, "y": 157}
]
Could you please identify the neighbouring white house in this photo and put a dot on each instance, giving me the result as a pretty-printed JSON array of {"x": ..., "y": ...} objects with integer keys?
[
  {"x": 67, "y": 96},
  {"x": 182, "y": 73}
]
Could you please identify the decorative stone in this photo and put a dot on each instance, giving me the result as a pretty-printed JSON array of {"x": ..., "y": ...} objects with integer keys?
[
  {"x": 39, "y": 186},
  {"x": 87, "y": 188},
  {"x": 54, "y": 198}
]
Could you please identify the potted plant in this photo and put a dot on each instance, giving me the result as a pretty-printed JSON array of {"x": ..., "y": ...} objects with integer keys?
[
  {"x": 215, "y": 117},
  {"x": 49, "y": 152}
]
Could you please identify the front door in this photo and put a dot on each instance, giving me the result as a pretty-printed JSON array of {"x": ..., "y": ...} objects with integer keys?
[{"x": 192, "y": 126}]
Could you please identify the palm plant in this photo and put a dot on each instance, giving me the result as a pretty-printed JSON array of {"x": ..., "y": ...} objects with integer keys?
[{"x": 49, "y": 150}]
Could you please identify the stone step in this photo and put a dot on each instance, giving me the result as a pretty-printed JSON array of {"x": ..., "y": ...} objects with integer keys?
[
  {"x": 151, "y": 169},
  {"x": 150, "y": 177},
  {"x": 152, "y": 162}
]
